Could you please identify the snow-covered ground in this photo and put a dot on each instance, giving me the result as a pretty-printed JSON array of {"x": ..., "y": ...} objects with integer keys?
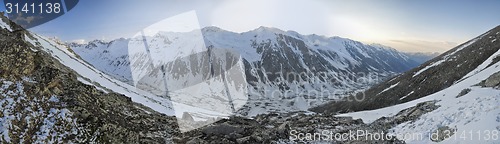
[
  {"x": 475, "y": 116},
  {"x": 18, "y": 107}
]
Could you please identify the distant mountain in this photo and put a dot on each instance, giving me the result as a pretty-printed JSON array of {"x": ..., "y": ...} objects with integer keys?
[
  {"x": 463, "y": 82},
  {"x": 421, "y": 57},
  {"x": 327, "y": 65}
]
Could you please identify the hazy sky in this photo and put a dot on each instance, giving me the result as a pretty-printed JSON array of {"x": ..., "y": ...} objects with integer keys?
[{"x": 418, "y": 25}]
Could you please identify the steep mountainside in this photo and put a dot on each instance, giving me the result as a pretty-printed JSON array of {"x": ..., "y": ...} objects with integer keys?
[
  {"x": 285, "y": 71},
  {"x": 440, "y": 73},
  {"x": 44, "y": 101},
  {"x": 464, "y": 84}
]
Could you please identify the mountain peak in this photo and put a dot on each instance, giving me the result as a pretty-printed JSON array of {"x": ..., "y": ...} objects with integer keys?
[
  {"x": 267, "y": 29},
  {"x": 212, "y": 29}
]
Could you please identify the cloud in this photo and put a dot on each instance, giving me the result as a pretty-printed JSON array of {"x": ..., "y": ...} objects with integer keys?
[
  {"x": 78, "y": 41},
  {"x": 421, "y": 45}
]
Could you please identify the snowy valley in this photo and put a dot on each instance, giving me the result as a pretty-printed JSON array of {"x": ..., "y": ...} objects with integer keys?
[{"x": 285, "y": 71}]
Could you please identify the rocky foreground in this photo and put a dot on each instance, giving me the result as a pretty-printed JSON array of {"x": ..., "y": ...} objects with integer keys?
[
  {"x": 304, "y": 128},
  {"x": 43, "y": 102}
]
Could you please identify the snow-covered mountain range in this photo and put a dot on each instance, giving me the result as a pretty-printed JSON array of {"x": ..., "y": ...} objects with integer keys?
[{"x": 285, "y": 71}]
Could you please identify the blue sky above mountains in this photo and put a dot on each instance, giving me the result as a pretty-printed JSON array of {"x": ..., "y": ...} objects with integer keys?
[{"x": 420, "y": 25}]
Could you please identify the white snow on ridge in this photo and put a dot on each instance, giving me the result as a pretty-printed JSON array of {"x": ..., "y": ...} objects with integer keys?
[
  {"x": 89, "y": 83},
  {"x": 428, "y": 67},
  {"x": 390, "y": 87},
  {"x": 447, "y": 57},
  {"x": 102, "y": 56},
  {"x": 407, "y": 95},
  {"x": 465, "y": 45},
  {"x": 5, "y": 25},
  {"x": 483, "y": 65}
]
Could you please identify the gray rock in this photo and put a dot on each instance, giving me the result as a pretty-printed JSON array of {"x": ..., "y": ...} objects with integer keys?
[
  {"x": 187, "y": 117},
  {"x": 463, "y": 92},
  {"x": 222, "y": 129},
  {"x": 492, "y": 81}
]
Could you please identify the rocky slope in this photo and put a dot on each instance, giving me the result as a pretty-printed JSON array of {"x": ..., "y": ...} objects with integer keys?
[
  {"x": 463, "y": 81},
  {"x": 299, "y": 127},
  {"x": 42, "y": 101}
]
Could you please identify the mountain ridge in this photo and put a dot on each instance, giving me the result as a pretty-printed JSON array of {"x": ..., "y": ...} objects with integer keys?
[
  {"x": 430, "y": 77},
  {"x": 341, "y": 59}
]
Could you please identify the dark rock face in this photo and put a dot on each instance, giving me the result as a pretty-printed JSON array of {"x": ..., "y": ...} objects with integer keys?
[
  {"x": 79, "y": 113},
  {"x": 433, "y": 76}
]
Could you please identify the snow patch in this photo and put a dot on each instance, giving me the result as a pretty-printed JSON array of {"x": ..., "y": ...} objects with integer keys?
[
  {"x": 428, "y": 67},
  {"x": 89, "y": 83},
  {"x": 407, "y": 95},
  {"x": 390, "y": 87},
  {"x": 5, "y": 25},
  {"x": 53, "y": 124}
]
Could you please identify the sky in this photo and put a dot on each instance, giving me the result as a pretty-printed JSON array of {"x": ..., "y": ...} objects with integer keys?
[{"x": 411, "y": 26}]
